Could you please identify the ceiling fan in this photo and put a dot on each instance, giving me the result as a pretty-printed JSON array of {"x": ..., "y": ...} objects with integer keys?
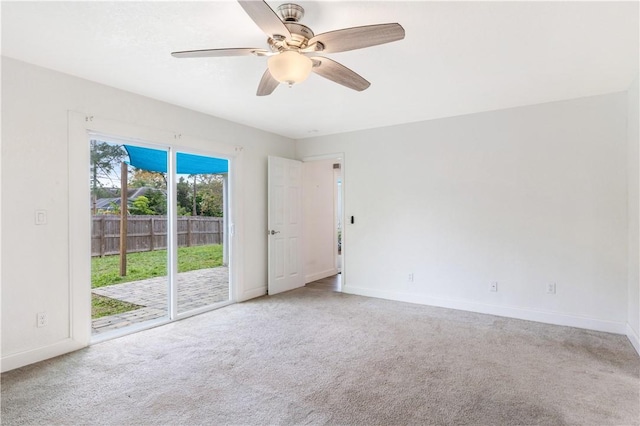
[{"x": 294, "y": 48}]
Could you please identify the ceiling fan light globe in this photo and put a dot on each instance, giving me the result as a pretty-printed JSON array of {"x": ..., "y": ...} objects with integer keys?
[{"x": 289, "y": 67}]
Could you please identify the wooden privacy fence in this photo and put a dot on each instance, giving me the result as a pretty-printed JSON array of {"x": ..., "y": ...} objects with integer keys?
[{"x": 148, "y": 233}]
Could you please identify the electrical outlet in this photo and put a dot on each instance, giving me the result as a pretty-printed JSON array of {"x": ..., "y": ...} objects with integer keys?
[
  {"x": 493, "y": 286},
  {"x": 551, "y": 288},
  {"x": 411, "y": 277},
  {"x": 41, "y": 319}
]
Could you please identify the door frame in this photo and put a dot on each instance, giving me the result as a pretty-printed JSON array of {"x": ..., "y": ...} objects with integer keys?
[
  {"x": 80, "y": 126},
  {"x": 341, "y": 157}
]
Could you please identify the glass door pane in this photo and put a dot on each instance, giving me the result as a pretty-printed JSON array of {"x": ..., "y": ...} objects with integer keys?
[
  {"x": 129, "y": 282},
  {"x": 201, "y": 205}
]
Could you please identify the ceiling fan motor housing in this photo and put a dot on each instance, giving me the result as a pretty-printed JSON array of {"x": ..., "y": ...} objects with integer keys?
[
  {"x": 300, "y": 34},
  {"x": 290, "y": 12}
]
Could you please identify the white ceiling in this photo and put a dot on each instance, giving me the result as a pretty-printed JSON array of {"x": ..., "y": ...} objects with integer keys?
[{"x": 457, "y": 58}]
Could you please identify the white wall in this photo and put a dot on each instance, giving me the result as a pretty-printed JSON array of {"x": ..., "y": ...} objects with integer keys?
[
  {"x": 633, "y": 161},
  {"x": 35, "y": 170},
  {"x": 319, "y": 211},
  {"x": 525, "y": 197}
]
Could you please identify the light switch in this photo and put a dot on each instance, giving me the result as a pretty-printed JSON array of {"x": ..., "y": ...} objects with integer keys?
[{"x": 41, "y": 217}]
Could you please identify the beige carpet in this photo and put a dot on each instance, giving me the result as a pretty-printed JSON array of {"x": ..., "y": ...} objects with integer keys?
[{"x": 317, "y": 357}]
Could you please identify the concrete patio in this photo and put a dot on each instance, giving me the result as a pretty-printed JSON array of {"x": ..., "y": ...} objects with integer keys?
[{"x": 196, "y": 289}]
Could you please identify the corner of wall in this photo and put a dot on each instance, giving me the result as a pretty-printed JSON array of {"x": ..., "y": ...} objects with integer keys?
[
  {"x": 633, "y": 211},
  {"x": 633, "y": 338}
]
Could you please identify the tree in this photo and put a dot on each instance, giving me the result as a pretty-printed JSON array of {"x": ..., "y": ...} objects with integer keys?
[
  {"x": 140, "y": 206},
  {"x": 209, "y": 198},
  {"x": 141, "y": 178},
  {"x": 105, "y": 165},
  {"x": 208, "y": 195},
  {"x": 105, "y": 159},
  {"x": 115, "y": 209},
  {"x": 157, "y": 202},
  {"x": 184, "y": 197},
  {"x": 211, "y": 204}
]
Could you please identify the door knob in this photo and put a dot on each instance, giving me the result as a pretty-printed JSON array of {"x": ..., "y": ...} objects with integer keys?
[{"x": 274, "y": 232}]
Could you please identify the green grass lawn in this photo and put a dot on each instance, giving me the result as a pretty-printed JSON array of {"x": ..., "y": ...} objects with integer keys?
[
  {"x": 106, "y": 270},
  {"x": 102, "y": 306}
]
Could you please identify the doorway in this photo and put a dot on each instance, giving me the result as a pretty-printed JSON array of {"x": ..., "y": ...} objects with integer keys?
[
  {"x": 159, "y": 246},
  {"x": 323, "y": 214}
]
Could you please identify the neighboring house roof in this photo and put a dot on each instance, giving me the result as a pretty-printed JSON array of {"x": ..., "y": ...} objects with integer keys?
[{"x": 132, "y": 193}]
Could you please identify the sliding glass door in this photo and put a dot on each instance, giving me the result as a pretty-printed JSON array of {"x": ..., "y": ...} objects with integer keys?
[
  {"x": 158, "y": 235},
  {"x": 203, "y": 273},
  {"x": 129, "y": 278}
]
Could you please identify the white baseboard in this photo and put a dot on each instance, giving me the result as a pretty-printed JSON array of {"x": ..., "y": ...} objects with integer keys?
[
  {"x": 503, "y": 311},
  {"x": 253, "y": 293},
  {"x": 21, "y": 359},
  {"x": 320, "y": 275},
  {"x": 633, "y": 338}
]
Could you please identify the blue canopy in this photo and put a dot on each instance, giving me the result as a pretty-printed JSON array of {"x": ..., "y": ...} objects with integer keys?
[{"x": 155, "y": 160}]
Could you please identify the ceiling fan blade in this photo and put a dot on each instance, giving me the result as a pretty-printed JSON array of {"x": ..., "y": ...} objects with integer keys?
[
  {"x": 358, "y": 37},
  {"x": 265, "y": 18},
  {"x": 216, "y": 53},
  {"x": 267, "y": 84},
  {"x": 338, "y": 73}
]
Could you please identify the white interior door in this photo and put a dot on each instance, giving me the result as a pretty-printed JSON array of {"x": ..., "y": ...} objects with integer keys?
[{"x": 285, "y": 225}]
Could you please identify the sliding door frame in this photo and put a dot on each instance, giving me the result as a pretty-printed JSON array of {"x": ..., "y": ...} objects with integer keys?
[{"x": 81, "y": 127}]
